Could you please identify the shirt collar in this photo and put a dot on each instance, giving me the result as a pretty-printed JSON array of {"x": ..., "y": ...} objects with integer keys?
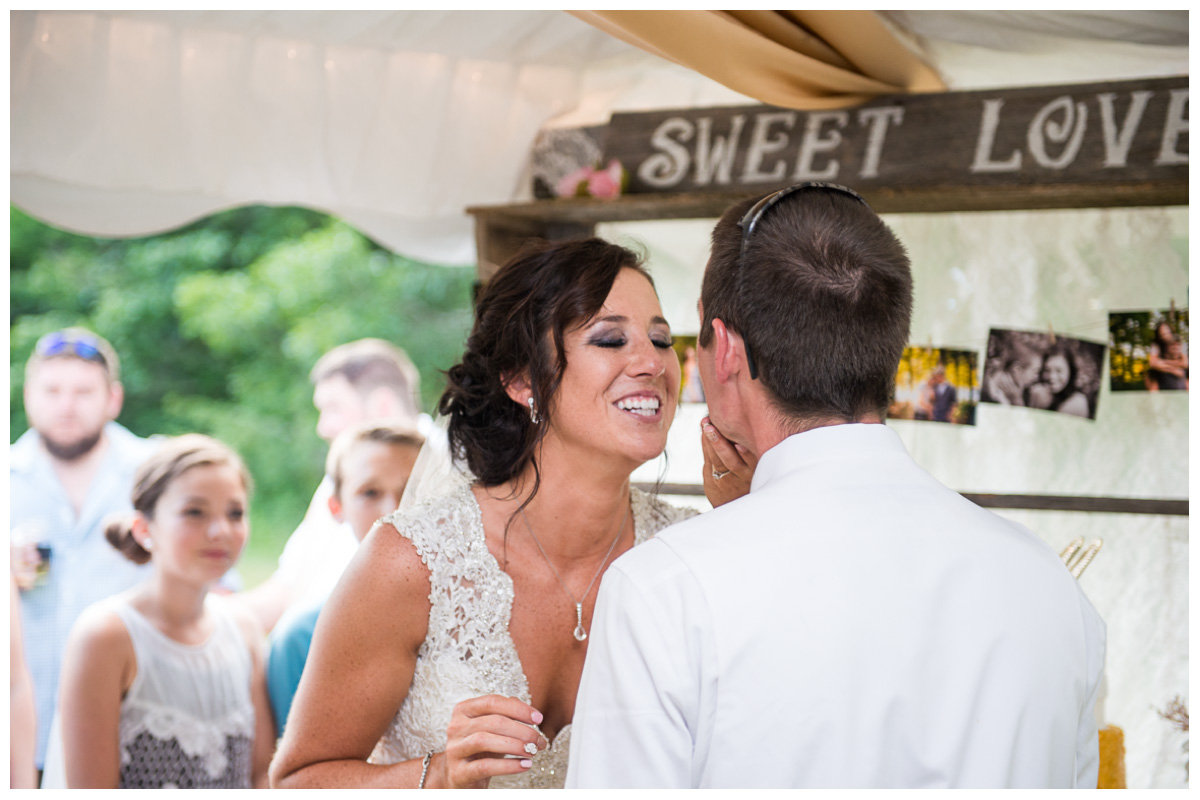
[
  {"x": 22, "y": 455},
  {"x": 818, "y": 445}
]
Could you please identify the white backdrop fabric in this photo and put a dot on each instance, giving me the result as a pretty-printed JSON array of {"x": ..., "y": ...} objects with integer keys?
[{"x": 134, "y": 122}]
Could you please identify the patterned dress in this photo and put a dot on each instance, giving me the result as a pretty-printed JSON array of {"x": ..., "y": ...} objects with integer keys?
[{"x": 187, "y": 722}]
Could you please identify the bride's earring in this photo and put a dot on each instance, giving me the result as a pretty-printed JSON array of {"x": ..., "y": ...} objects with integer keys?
[
  {"x": 533, "y": 415},
  {"x": 147, "y": 544}
]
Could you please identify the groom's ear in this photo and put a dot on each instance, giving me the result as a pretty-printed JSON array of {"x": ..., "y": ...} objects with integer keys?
[{"x": 729, "y": 352}]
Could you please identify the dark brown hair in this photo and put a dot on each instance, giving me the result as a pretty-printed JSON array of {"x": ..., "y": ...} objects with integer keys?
[
  {"x": 1068, "y": 354},
  {"x": 823, "y": 296},
  {"x": 545, "y": 290},
  {"x": 174, "y": 457}
]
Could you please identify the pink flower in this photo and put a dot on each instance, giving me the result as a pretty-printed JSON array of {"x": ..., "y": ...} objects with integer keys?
[
  {"x": 586, "y": 181},
  {"x": 569, "y": 185},
  {"x": 606, "y": 182}
]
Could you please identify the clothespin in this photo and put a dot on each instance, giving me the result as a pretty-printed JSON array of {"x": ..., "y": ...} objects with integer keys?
[
  {"x": 1051, "y": 325},
  {"x": 1068, "y": 553},
  {"x": 1086, "y": 557},
  {"x": 1077, "y": 559}
]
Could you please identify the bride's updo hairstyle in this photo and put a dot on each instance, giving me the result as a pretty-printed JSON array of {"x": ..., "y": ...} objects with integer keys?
[
  {"x": 174, "y": 457},
  {"x": 545, "y": 290}
]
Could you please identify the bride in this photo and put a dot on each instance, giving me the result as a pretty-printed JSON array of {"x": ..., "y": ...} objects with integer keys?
[{"x": 450, "y": 653}]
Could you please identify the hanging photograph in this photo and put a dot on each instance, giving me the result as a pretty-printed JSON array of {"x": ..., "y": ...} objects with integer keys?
[
  {"x": 1044, "y": 371},
  {"x": 690, "y": 390},
  {"x": 1148, "y": 350},
  {"x": 936, "y": 385}
]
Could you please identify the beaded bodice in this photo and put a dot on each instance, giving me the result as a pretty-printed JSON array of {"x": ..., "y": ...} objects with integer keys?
[{"x": 468, "y": 651}]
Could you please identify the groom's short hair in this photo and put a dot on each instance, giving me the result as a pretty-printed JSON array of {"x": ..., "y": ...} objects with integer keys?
[{"x": 821, "y": 292}]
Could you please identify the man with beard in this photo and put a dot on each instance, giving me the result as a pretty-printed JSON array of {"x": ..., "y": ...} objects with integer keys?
[{"x": 67, "y": 473}]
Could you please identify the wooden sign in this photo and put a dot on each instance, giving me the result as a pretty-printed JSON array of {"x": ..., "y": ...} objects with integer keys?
[
  {"x": 1118, "y": 134},
  {"x": 1082, "y": 146}
]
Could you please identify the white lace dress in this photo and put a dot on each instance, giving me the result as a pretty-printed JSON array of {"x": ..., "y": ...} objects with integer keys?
[
  {"x": 188, "y": 720},
  {"x": 468, "y": 651}
]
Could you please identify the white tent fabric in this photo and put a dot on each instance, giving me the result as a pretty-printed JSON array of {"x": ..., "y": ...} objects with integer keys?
[
  {"x": 130, "y": 123},
  {"x": 133, "y": 122}
]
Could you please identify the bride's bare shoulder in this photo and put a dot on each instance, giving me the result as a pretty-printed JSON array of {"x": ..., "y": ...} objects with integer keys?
[{"x": 390, "y": 558}]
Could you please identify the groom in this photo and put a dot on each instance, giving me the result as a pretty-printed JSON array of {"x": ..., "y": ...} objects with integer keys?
[{"x": 850, "y": 622}]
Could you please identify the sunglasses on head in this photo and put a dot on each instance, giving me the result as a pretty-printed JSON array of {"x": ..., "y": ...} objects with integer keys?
[
  {"x": 63, "y": 343},
  {"x": 750, "y": 221}
]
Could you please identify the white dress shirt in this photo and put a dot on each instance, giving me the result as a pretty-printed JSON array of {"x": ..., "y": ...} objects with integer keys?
[
  {"x": 849, "y": 623},
  {"x": 320, "y": 548},
  {"x": 317, "y": 552}
]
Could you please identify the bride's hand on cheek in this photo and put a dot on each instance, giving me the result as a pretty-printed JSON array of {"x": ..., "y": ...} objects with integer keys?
[
  {"x": 734, "y": 463},
  {"x": 482, "y": 731}
]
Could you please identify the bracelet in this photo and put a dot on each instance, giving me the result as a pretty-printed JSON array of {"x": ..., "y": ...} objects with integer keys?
[{"x": 425, "y": 769}]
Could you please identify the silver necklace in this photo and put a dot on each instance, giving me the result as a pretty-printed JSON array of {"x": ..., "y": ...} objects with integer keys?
[{"x": 580, "y": 632}]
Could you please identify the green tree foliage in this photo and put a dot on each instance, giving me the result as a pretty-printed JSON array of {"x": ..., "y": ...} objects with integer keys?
[{"x": 218, "y": 324}]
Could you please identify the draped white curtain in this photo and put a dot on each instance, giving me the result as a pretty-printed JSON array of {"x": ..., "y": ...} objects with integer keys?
[{"x": 132, "y": 122}]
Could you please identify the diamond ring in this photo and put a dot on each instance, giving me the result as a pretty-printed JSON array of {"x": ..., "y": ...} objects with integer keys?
[
  {"x": 531, "y": 748},
  {"x": 718, "y": 475}
]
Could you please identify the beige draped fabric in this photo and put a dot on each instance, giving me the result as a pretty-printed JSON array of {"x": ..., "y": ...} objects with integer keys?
[{"x": 793, "y": 59}]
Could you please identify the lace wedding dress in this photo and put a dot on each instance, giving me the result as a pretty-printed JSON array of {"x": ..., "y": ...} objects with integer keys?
[{"x": 468, "y": 651}]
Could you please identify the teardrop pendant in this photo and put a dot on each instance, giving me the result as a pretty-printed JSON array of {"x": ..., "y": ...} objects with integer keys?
[{"x": 580, "y": 633}]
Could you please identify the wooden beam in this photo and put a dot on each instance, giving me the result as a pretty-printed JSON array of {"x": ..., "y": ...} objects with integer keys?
[
  {"x": 1031, "y": 502},
  {"x": 1098, "y": 505},
  {"x": 498, "y": 237},
  {"x": 588, "y": 211}
]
